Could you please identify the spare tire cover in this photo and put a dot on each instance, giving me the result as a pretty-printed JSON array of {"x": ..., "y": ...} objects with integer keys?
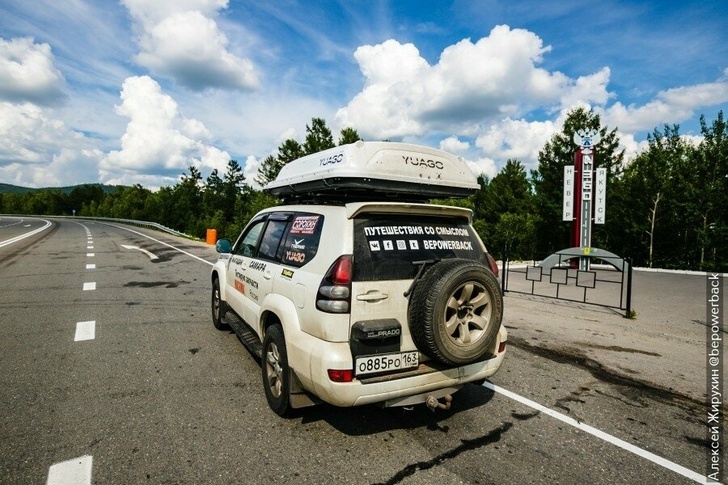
[{"x": 455, "y": 311}]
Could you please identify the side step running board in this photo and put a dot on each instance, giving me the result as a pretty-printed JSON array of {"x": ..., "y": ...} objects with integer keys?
[{"x": 247, "y": 336}]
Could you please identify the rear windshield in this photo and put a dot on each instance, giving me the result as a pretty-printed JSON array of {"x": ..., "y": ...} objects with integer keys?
[{"x": 385, "y": 247}]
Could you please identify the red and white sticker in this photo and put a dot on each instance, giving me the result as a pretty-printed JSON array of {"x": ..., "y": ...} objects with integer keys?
[{"x": 304, "y": 224}]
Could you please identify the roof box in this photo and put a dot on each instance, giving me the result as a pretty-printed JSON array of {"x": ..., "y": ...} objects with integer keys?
[{"x": 375, "y": 171}]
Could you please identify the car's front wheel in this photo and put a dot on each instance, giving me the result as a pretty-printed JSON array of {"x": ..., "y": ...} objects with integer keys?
[
  {"x": 276, "y": 373},
  {"x": 219, "y": 307}
]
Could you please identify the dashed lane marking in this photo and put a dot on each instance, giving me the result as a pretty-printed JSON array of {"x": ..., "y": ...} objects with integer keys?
[
  {"x": 658, "y": 460},
  {"x": 90, "y": 286},
  {"x": 72, "y": 472},
  {"x": 91, "y": 266},
  {"x": 85, "y": 331}
]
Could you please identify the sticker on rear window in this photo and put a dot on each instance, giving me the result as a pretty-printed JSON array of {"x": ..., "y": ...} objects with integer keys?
[{"x": 304, "y": 225}]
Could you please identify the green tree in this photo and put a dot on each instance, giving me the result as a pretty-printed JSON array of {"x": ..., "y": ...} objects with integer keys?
[
  {"x": 270, "y": 166},
  {"x": 268, "y": 170},
  {"x": 710, "y": 192},
  {"x": 186, "y": 206},
  {"x": 233, "y": 185},
  {"x": 348, "y": 135},
  {"x": 213, "y": 195},
  {"x": 651, "y": 181},
  {"x": 503, "y": 209},
  {"x": 515, "y": 235},
  {"x": 508, "y": 192},
  {"x": 318, "y": 137},
  {"x": 83, "y": 195}
]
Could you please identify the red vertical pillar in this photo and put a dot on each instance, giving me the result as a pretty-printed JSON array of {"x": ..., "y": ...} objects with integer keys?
[{"x": 576, "y": 225}]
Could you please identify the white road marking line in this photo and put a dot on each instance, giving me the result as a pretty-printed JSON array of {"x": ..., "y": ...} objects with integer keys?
[
  {"x": 89, "y": 286},
  {"x": 71, "y": 472},
  {"x": 162, "y": 243},
  {"x": 27, "y": 234},
  {"x": 85, "y": 331},
  {"x": 89, "y": 247},
  {"x": 91, "y": 266},
  {"x": 151, "y": 255},
  {"x": 600, "y": 434},
  {"x": 90, "y": 255}
]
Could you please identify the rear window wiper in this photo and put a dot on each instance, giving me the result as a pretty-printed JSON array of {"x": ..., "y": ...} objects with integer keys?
[{"x": 422, "y": 264}]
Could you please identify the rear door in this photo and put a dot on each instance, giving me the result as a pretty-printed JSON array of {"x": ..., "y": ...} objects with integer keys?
[
  {"x": 259, "y": 268},
  {"x": 389, "y": 250}
]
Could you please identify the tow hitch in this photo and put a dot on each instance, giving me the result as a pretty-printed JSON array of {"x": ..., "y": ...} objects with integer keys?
[{"x": 433, "y": 403}]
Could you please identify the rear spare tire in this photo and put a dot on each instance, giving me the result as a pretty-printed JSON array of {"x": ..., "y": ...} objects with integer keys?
[{"x": 456, "y": 311}]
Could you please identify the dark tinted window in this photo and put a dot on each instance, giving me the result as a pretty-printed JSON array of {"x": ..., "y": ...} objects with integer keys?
[
  {"x": 385, "y": 247},
  {"x": 302, "y": 241},
  {"x": 271, "y": 239}
]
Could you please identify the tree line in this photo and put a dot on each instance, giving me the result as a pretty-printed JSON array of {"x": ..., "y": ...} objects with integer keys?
[{"x": 665, "y": 208}]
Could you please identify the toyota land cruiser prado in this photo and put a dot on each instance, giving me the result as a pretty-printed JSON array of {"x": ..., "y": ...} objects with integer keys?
[{"x": 356, "y": 290}]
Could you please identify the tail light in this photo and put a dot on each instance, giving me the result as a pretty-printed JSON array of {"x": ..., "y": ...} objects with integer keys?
[
  {"x": 341, "y": 375},
  {"x": 492, "y": 264},
  {"x": 334, "y": 293}
]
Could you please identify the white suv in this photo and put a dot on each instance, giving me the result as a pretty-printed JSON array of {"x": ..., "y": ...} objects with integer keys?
[{"x": 350, "y": 298}]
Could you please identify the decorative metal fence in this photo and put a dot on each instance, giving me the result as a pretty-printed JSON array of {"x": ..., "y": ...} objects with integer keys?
[{"x": 607, "y": 282}]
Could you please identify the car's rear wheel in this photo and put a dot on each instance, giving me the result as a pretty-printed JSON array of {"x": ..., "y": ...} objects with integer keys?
[
  {"x": 219, "y": 307},
  {"x": 276, "y": 373},
  {"x": 456, "y": 311}
]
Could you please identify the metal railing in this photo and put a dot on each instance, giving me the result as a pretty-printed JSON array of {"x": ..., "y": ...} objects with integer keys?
[
  {"x": 557, "y": 277},
  {"x": 132, "y": 222}
]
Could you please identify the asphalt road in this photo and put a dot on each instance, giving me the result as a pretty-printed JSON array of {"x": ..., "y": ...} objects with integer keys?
[{"x": 109, "y": 361}]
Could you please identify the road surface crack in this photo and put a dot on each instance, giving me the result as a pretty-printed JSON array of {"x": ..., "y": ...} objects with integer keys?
[{"x": 466, "y": 445}]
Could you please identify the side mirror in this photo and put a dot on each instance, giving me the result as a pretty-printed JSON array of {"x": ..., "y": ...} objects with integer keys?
[{"x": 224, "y": 246}]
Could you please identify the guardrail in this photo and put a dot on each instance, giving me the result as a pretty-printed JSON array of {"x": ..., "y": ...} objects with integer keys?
[{"x": 153, "y": 225}]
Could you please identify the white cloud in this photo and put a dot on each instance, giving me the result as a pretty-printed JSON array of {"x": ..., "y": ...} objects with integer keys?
[
  {"x": 250, "y": 170},
  {"x": 38, "y": 150},
  {"x": 454, "y": 145},
  {"x": 158, "y": 138},
  {"x": 668, "y": 107},
  {"x": 27, "y": 72},
  {"x": 631, "y": 147},
  {"x": 158, "y": 10},
  {"x": 483, "y": 166},
  {"x": 181, "y": 40},
  {"x": 472, "y": 83},
  {"x": 588, "y": 89},
  {"x": 517, "y": 139}
]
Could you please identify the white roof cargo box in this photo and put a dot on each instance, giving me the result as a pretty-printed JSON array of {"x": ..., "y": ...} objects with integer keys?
[{"x": 375, "y": 170}]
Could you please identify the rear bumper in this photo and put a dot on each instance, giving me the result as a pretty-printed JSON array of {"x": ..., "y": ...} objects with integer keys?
[{"x": 392, "y": 388}]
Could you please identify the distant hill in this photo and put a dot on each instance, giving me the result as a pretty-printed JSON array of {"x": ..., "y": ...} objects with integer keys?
[{"x": 15, "y": 189}]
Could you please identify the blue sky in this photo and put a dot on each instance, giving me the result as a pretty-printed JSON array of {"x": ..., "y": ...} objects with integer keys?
[{"x": 136, "y": 91}]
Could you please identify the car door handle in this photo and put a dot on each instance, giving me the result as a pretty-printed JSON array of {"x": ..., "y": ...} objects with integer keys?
[{"x": 374, "y": 295}]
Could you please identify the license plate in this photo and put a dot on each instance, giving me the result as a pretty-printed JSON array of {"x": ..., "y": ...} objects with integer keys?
[{"x": 374, "y": 364}]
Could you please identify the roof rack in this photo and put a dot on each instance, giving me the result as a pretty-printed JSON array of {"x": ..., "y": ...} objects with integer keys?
[{"x": 367, "y": 171}]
